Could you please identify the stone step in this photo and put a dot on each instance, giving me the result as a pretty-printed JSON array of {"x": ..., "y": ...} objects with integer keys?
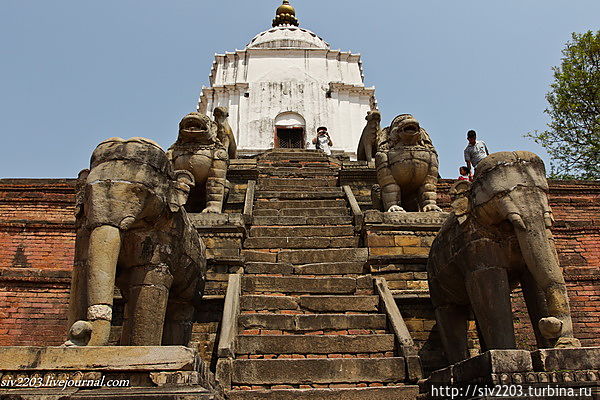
[
  {"x": 303, "y": 212},
  {"x": 303, "y": 189},
  {"x": 311, "y": 322},
  {"x": 300, "y": 194},
  {"x": 330, "y": 268},
  {"x": 278, "y": 183},
  {"x": 322, "y": 256},
  {"x": 284, "y": 221},
  {"x": 293, "y": 156},
  {"x": 253, "y": 267},
  {"x": 307, "y": 371},
  {"x": 300, "y": 242},
  {"x": 339, "y": 303},
  {"x": 301, "y": 231},
  {"x": 285, "y": 204},
  {"x": 314, "y": 344},
  {"x": 297, "y": 171},
  {"x": 250, "y": 255},
  {"x": 299, "y": 284},
  {"x": 310, "y": 303},
  {"x": 402, "y": 392}
]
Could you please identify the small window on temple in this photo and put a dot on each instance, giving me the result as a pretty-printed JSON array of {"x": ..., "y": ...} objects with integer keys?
[
  {"x": 246, "y": 94},
  {"x": 328, "y": 94}
]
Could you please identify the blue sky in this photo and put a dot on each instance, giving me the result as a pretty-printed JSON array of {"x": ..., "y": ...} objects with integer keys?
[{"x": 74, "y": 72}]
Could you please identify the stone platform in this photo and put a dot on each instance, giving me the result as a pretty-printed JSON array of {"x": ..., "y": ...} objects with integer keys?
[
  {"x": 111, "y": 372},
  {"x": 541, "y": 374}
]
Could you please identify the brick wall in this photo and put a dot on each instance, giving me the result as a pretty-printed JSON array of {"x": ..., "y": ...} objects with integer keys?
[
  {"x": 36, "y": 255},
  {"x": 37, "y": 241}
]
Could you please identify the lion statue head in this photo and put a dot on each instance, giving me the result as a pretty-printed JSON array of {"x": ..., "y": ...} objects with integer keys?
[
  {"x": 198, "y": 128},
  {"x": 406, "y": 131}
]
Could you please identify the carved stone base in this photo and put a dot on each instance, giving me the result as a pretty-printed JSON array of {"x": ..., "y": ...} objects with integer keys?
[
  {"x": 540, "y": 374},
  {"x": 111, "y": 372}
]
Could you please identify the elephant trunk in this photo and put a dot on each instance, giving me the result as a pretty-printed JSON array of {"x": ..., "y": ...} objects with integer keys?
[
  {"x": 104, "y": 248},
  {"x": 539, "y": 253}
]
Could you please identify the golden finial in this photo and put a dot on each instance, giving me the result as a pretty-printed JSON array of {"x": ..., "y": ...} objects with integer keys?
[{"x": 285, "y": 15}]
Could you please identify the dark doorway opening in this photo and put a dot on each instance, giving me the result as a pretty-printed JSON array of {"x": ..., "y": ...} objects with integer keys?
[{"x": 289, "y": 138}]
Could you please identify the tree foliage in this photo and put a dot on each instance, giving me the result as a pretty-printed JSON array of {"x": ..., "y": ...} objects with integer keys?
[{"x": 573, "y": 135}]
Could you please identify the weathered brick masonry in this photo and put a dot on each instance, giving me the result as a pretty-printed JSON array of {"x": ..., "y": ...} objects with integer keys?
[{"x": 37, "y": 243}]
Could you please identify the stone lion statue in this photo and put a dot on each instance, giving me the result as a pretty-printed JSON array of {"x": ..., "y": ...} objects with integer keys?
[
  {"x": 407, "y": 167},
  {"x": 224, "y": 131},
  {"x": 199, "y": 150},
  {"x": 367, "y": 146}
]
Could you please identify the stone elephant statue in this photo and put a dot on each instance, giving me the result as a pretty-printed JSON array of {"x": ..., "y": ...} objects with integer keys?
[
  {"x": 497, "y": 236},
  {"x": 407, "y": 167},
  {"x": 133, "y": 232},
  {"x": 199, "y": 150}
]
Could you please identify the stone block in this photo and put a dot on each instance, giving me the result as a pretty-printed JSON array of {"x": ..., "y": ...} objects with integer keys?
[
  {"x": 416, "y": 251},
  {"x": 330, "y": 268},
  {"x": 302, "y": 371},
  {"x": 104, "y": 358},
  {"x": 320, "y": 256},
  {"x": 259, "y": 256},
  {"x": 268, "y": 268},
  {"x": 317, "y": 322},
  {"x": 301, "y": 231},
  {"x": 405, "y": 240},
  {"x": 298, "y": 284},
  {"x": 492, "y": 362},
  {"x": 285, "y": 204},
  {"x": 582, "y": 358},
  {"x": 380, "y": 241},
  {"x": 312, "y": 322},
  {"x": 385, "y": 251},
  {"x": 312, "y": 344},
  {"x": 339, "y": 303},
  {"x": 268, "y": 303}
]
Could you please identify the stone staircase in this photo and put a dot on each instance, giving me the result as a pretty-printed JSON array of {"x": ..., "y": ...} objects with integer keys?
[{"x": 310, "y": 321}]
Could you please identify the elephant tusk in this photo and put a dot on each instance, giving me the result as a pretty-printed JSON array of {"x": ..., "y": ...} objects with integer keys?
[{"x": 517, "y": 221}]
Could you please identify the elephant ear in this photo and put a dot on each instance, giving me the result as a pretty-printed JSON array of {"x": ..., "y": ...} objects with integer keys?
[
  {"x": 459, "y": 193},
  {"x": 180, "y": 189}
]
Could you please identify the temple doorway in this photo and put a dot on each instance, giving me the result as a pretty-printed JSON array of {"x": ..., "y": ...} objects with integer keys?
[
  {"x": 289, "y": 131},
  {"x": 290, "y": 138}
]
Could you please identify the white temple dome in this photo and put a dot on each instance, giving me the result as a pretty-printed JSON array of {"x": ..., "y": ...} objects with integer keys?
[{"x": 287, "y": 36}]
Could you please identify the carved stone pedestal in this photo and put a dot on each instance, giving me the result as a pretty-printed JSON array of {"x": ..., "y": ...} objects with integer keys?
[
  {"x": 107, "y": 373},
  {"x": 223, "y": 235},
  {"x": 519, "y": 374}
]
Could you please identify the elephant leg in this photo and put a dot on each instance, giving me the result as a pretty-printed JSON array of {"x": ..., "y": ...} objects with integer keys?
[
  {"x": 390, "y": 191},
  {"x": 103, "y": 252},
  {"x": 452, "y": 323},
  {"x": 536, "y": 306},
  {"x": 180, "y": 311},
  {"x": 146, "y": 305},
  {"x": 215, "y": 185},
  {"x": 489, "y": 293},
  {"x": 178, "y": 322},
  {"x": 78, "y": 293}
]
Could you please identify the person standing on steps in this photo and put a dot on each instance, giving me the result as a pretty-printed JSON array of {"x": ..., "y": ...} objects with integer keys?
[
  {"x": 323, "y": 141},
  {"x": 475, "y": 151}
]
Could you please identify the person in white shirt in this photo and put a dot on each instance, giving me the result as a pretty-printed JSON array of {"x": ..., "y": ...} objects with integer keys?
[
  {"x": 323, "y": 141},
  {"x": 475, "y": 151}
]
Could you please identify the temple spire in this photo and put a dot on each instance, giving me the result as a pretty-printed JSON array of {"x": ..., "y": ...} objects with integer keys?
[{"x": 285, "y": 15}]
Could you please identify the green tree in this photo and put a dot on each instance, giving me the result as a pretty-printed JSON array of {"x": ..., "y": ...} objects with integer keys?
[{"x": 573, "y": 135}]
